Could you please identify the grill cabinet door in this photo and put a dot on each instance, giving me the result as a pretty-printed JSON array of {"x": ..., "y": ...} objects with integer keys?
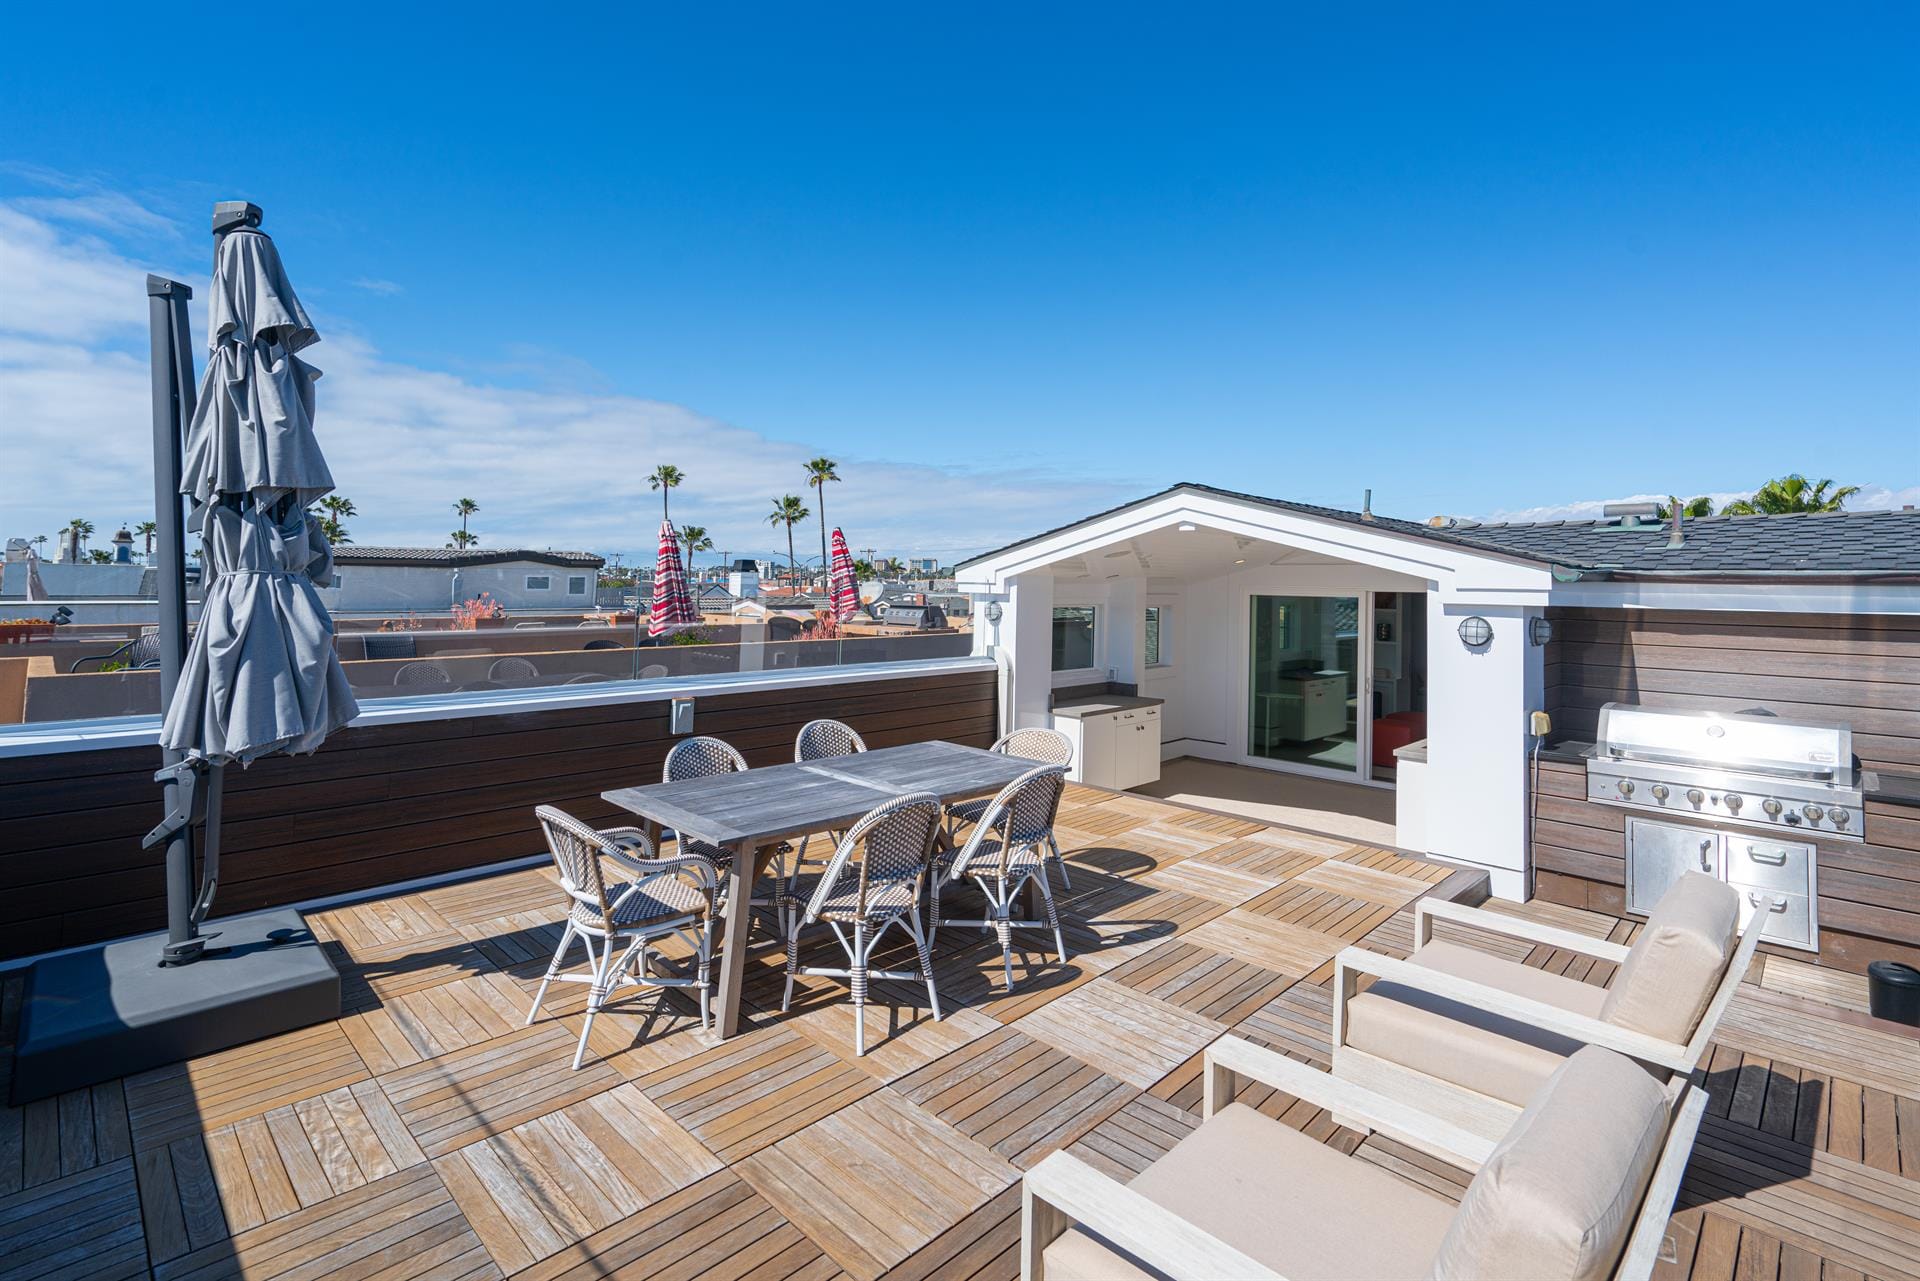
[{"x": 1658, "y": 854}]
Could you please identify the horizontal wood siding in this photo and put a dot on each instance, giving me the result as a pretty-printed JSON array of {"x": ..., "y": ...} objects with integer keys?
[
  {"x": 1869, "y": 892},
  {"x": 389, "y": 803},
  {"x": 1864, "y": 670}
]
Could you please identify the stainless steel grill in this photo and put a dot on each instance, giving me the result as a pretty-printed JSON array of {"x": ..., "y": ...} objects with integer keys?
[{"x": 1732, "y": 767}]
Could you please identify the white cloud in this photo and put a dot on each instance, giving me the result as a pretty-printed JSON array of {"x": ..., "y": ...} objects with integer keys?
[
  {"x": 373, "y": 285},
  {"x": 1870, "y": 498},
  {"x": 551, "y": 467},
  {"x": 1881, "y": 498}
]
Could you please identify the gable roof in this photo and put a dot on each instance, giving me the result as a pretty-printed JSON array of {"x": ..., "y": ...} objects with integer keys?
[
  {"x": 1837, "y": 544},
  {"x": 458, "y": 558}
]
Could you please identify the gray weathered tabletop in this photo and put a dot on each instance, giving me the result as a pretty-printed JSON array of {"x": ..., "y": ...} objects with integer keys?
[{"x": 781, "y": 801}]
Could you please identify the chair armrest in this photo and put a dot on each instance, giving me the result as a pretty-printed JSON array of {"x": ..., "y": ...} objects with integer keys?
[
  {"x": 1231, "y": 1057},
  {"x": 1063, "y": 1190},
  {"x": 1494, "y": 1000},
  {"x": 643, "y": 870},
  {"x": 1426, "y": 910}
]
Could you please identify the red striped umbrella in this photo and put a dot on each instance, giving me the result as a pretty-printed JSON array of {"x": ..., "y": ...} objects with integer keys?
[
  {"x": 845, "y": 594},
  {"x": 672, "y": 603}
]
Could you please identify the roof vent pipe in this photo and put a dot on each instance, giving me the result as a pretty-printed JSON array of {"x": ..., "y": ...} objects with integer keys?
[
  {"x": 1366, "y": 505},
  {"x": 1677, "y": 538}
]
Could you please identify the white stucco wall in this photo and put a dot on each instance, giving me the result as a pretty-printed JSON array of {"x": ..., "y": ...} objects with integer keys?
[{"x": 424, "y": 589}]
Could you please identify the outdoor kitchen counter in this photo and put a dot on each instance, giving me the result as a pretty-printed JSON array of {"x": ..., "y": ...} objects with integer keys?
[
  {"x": 1890, "y": 789},
  {"x": 1104, "y": 704}
]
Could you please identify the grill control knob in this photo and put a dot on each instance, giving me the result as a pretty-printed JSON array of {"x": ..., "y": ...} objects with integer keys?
[
  {"x": 1733, "y": 802},
  {"x": 1813, "y": 813},
  {"x": 1659, "y": 791},
  {"x": 1626, "y": 786},
  {"x": 1840, "y": 817},
  {"x": 1695, "y": 795},
  {"x": 1771, "y": 806}
]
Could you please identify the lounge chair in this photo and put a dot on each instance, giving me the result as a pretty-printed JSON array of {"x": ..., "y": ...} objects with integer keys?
[
  {"x": 1472, "y": 1036},
  {"x": 1578, "y": 1189}
]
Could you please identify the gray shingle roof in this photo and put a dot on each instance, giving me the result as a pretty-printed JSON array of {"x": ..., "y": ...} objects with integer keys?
[
  {"x": 453, "y": 557},
  {"x": 1838, "y": 544}
]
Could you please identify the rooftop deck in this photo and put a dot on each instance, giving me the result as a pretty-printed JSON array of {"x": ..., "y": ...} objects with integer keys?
[{"x": 427, "y": 1134}]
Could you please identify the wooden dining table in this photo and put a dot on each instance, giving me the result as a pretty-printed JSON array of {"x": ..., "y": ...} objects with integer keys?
[{"x": 752, "y": 812}]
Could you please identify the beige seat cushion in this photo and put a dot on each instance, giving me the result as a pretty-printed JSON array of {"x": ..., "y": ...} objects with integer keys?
[
  {"x": 1279, "y": 1197},
  {"x": 1481, "y": 1052},
  {"x": 1557, "y": 1199},
  {"x": 1669, "y": 977}
]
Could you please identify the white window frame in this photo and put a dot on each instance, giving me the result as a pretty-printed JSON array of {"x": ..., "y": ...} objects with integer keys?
[
  {"x": 1166, "y": 649},
  {"x": 545, "y": 582},
  {"x": 1079, "y": 675},
  {"x": 581, "y": 579}
]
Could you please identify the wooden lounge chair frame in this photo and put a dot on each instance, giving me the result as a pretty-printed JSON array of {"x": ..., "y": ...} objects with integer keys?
[{"x": 1063, "y": 1190}]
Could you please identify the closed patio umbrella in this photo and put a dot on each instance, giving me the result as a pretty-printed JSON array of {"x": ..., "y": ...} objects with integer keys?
[
  {"x": 261, "y": 675},
  {"x": 845, "y": 596},
  {"x": 672, "y": 603}
]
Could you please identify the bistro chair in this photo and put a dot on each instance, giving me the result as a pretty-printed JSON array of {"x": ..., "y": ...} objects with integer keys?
[
  {"x": 1579, "y": 1188},
  {"x": 1007, "y": 850},
  {"x": 512, "y": 669},
  {"x": 665, "y": 898},
  {"x": 872, "y": 883},
  {"x": 1044, "y": 746},
  {"x": 703, "y": 756},
  {"x": 143, "y": 651},
  {"x": 422, "y": 675},
  {"x": 1483, "y": 1033},
  {"x": 823, "y": 740}
]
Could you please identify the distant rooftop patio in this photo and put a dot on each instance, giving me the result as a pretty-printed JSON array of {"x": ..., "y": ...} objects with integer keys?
[{"x": 428, "y": 1134}]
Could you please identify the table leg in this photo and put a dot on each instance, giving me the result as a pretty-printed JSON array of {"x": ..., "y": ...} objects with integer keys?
[{"x": 733, "y": 943}]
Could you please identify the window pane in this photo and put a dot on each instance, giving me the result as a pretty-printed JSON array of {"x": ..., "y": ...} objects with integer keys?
[
  {"x": 1072, "y": 637},
  {"x": 1153, "y": 636}
]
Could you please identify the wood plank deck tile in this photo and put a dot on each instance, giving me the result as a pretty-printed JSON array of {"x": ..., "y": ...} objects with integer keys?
[
  {"x": 172, "y": 1102},
  {"x": 1209, "y": 880},
  {"x": 375, "y": 926},
  {"x": 471, "y": 1094},
  {"x": 754, "y": 1090},
  {"x": 1264, "y": 941},
  {"x": 67, "y": 1134},
  {"x": 1757, "y": 1021},
  {"x": 395, "y": 969},
  {"x": 405, "y": 1227},
  {"x": 83, "y": 1227},
  {"x": 877, "y": 1180},
  {"x": 470, "y": 903},
  {"x": 983, "y": 1246},
  {"x": 1199, "y": 979},
  {"x": 415, "y": 1026},
  {"x": 1813, "y": 982},
  {"x": 718, "y": 1229},
  {"x": 1020, "y": 1097},
  {"x": 1366, "y": 883},
  {"x": 1298, "y": 1021},
  {"x": 902, "y": 1034},
  {"x": 1123, "y": 1032}
]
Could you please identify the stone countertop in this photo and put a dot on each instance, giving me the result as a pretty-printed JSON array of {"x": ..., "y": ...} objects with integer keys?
[{"x": 1104, "y": 704}]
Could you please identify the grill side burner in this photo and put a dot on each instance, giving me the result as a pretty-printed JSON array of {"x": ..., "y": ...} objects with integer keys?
[{"x": 1747, "y": 768}]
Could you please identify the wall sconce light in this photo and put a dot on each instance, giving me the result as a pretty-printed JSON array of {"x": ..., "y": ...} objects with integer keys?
[
  {"x": 1475, "y": 631},
  {"x": 1540, "y": 631}
]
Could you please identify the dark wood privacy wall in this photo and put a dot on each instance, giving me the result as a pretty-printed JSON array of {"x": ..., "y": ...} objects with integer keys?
[
  {"x": 393, "y": 802},
  {"x": 1862, "y": 670}
]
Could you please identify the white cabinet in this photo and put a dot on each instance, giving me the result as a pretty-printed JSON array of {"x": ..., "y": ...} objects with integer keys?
[{"x": 1118, "y": 749}]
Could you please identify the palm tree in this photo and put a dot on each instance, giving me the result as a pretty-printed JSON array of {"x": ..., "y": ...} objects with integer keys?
[
  {"x": 462, "y": 539},
  {"x": 464, "y": 507},
  {"x": 665, "y": 478},
  {"x": 99, "y": 557},
  {"x": 338, "y": 507},
  {"x": 83, "y": 529},
  {"x": 695, "y": 537},
  {"x": 1789, "y": 494},
  {"x": 788, "y": 510},
  {"x": 1692, "y": 509},
  {"x": 819, "y": 472},
  {"x": 40, "y": 541},
  {"x": 147, "y": 529}
]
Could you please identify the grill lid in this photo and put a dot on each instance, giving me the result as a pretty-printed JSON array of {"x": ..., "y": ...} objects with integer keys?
[{"x": 1755, "y": 742}]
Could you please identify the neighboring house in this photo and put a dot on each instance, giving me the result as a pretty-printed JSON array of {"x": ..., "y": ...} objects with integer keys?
[
  {"x": 1313, "y": 641},
  {"x": 922, "y": 566},
  {"x": 430, "y": 580}
]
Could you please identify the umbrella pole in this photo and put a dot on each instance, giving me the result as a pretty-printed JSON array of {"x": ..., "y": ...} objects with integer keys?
[{"x": 172, "y": 369}]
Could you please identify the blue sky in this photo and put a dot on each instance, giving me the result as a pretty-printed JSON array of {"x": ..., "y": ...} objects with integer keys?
[{"x": 1006, "y": 266}]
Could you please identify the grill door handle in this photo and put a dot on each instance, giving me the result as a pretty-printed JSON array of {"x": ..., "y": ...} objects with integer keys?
[
  {"x": 1706, "y": 856},
  {"x": 1774, "y": 860},
  {"x": 1775, "y": 905}
]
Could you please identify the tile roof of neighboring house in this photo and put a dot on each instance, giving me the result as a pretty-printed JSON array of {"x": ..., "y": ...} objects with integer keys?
[
  {"x": 455, "y": 558},
  {"x": 1837, "y": 544}
]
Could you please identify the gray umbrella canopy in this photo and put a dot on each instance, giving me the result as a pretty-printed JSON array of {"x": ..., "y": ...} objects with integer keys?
[{"x": 261, "y": 675}]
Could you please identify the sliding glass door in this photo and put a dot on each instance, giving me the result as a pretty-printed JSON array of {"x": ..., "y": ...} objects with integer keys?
[{"x": 1304, "y": 684}]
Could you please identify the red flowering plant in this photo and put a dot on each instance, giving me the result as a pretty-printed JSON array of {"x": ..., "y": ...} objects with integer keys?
[{"x": 468, "y": 614}]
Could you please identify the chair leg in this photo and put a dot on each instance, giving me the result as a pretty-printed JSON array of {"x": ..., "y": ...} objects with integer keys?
[
  {"x": 1059, "y": 861},
  {"x": 706, "y": 973},
  {"x": 926, "y": 960},
  {"x": 793, "y": 955},
  {"x": 595, "y": 995},
  {"x": 1053, "y": 916},
  {"x": 858, "y": 980},
  {"x": 553, "y": 968}
]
